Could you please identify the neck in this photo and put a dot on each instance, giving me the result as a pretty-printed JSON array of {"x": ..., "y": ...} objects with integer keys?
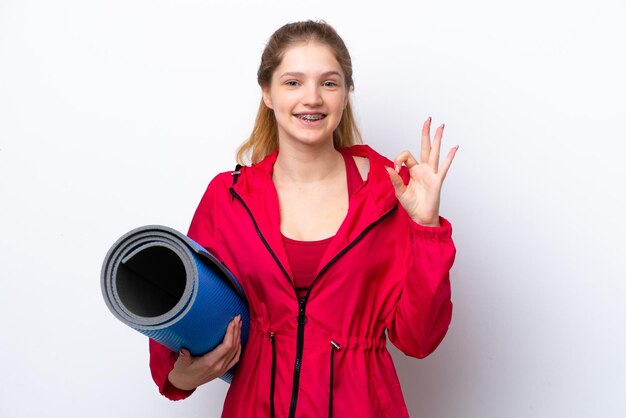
[{"x": 307, "y": 164}]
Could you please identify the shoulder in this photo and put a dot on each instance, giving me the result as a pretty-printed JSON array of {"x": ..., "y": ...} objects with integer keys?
[
  {"x": 221, "y": 181},
  {"x": 366, "y": 157},
  {"x": 363, "y": 164},
  {"x": 367, "y": 152},
  {"x": 218, "y": 187},
  {"x": 242, "y": 179}
]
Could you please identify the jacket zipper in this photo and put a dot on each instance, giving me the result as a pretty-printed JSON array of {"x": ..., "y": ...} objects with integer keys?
[
  {"x": 302, "y": 310},
  {"x": 333, "y": 347},
  {"x": 302, "y": 302},
  {"x": 258, "y": 232},
  {"x": 273, "y": 378}
]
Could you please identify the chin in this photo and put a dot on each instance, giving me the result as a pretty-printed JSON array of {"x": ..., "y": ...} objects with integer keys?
[
  {"x": 314, "y": 141},
  {"x": 309, "y": 138}
]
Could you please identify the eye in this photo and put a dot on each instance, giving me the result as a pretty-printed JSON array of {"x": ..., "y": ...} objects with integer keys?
[
  {"x": 329, "y": 84},
  {"x": 292, "y": 83}
]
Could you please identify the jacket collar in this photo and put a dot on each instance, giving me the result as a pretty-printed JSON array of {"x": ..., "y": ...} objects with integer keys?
[{"x": 368, "y": 204}]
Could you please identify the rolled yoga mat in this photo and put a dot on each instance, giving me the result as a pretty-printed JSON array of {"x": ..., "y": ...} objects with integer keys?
[{"x": 166, "y": 286}]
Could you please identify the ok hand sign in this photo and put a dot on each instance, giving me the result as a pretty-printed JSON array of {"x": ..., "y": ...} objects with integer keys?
[{"x": 421, "y": 196}]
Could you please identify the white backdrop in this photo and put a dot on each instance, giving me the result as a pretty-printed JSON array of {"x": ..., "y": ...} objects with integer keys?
[{"x": 116, "y": 114}]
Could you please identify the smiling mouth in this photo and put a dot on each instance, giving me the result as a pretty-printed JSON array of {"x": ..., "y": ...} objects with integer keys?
[{"x": 310, "y": 117}]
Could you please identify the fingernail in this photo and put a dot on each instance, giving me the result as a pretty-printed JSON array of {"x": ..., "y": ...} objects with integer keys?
[
  {"x": 181, "y": 353},
  {"x": 443, "y": 125},
  {"x": 397, "y": 168},
  {"x": 430, "y": 119}
]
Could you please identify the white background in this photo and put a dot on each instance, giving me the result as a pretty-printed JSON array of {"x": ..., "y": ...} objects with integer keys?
[{"x": 116, "y": 114}]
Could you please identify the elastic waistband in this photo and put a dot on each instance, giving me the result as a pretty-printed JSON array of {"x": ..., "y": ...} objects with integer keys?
[{"x": 316, "y": 339}]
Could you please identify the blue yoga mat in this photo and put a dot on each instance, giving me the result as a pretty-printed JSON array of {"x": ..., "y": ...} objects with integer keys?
[{"x": 166, "y": 286}]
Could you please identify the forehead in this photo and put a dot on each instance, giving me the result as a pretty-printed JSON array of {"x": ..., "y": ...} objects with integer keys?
[{"x": 309, "y": 58}]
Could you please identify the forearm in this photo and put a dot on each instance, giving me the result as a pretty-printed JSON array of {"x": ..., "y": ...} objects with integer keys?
[{"x": 424, "y": 309}]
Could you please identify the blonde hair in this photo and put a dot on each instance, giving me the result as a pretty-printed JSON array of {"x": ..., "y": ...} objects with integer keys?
[{"x": 264, "y": 137}]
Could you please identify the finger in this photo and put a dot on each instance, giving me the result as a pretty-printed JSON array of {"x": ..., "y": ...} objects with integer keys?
[
  {"x": 237, "y": 337},
  {"x": 229, "y": 365},
  {"x": 227, "y": 343},
  {"x": 237, "y": 348},
  {"x": 233, "y": 355},
  {"x": 445, "y": 166},
  {"x": 396, "y": 181},
  {"x": 235, "y": 359},
  {"x": 405, "y": 158},
  {"x": 227, "y": 361},
  {"x": 425, "y": 151},
  {"x": 233, "y": 334},
  {"x": 217, "y": 359},
  {"x": 433, "y": 160}
]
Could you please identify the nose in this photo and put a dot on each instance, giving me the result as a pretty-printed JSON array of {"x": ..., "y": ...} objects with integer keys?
[{"x": 312, "y": 95}]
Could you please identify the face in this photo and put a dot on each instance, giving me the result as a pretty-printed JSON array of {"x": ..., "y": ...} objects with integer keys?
[{"x": 308, "y": 94}]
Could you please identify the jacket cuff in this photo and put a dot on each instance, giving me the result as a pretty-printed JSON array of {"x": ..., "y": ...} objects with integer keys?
[
  {"x": 441, "y": 232},
  {"x": 174, "y": 393}
]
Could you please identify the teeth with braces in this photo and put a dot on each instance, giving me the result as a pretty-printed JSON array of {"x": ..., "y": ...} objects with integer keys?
[{"x": 311, "y": 117}]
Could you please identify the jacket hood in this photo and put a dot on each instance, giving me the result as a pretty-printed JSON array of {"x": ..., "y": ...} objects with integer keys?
[{"x": 254, "y": 179}]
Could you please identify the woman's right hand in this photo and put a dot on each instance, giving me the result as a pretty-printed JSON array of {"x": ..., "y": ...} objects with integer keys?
[{"x": 190, "y": 372}]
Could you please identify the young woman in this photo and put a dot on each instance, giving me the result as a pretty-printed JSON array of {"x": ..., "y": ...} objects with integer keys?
[{"x": 332, "y": 243}]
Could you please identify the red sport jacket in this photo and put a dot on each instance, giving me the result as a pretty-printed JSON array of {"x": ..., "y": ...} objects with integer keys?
[{"x": 326, "y": 355}]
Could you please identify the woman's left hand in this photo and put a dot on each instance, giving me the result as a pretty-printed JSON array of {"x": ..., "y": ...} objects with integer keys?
[{"x": 420, "y": 198}]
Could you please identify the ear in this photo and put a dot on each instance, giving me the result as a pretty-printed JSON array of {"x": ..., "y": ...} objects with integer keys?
[{"x": 266, "y": 96}]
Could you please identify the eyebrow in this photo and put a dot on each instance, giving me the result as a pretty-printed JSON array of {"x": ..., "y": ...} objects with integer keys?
[{"x": 299, "y": 74}]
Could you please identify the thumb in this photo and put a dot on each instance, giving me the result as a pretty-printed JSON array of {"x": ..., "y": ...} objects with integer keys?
[
  {"x": 396, "y": 181},
  {"x": 184, "y": 356}
]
